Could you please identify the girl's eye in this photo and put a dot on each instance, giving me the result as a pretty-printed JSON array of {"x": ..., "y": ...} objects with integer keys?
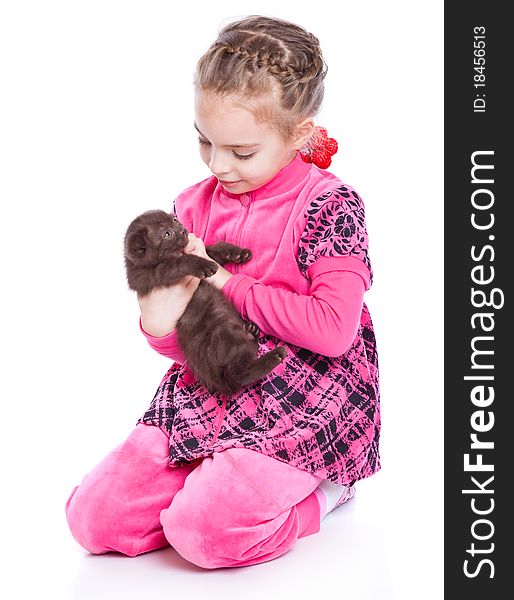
[{"x": 239, "y": 156}]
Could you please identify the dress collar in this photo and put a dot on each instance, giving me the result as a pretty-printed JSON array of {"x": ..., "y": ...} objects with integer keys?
[{"x": 287, "y": 178}]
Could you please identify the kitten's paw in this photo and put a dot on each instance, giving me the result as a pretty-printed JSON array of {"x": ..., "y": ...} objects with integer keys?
[
  {"x": 246, "y": 255},
  {"x": 252, "y": 329},
  {"x": 281, "y": 351},
  {"x": 239, "y": 255},
  {"x": 205, "y": 269},
  {"x": 279, "y": 354}
]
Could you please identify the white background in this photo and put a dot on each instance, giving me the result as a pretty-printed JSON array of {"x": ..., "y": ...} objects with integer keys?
[{"x": 96, "y": 126}]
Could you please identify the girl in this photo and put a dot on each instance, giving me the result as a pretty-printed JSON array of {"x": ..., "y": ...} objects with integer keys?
[{"x": 235, "y": 481}]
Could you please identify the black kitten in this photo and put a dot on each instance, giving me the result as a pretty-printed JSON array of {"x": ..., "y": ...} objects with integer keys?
[{"x": 220, "y": 348}]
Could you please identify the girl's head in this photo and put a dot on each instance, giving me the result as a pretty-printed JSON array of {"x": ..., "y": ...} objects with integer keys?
[{"x": 257, "y": 89}]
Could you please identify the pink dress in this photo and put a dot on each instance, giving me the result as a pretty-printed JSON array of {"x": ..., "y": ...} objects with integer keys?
[{"x": 319, "y": 409}]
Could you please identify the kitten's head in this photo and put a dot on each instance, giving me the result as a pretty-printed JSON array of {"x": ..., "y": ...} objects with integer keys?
[{"x": 154, "y": 236}]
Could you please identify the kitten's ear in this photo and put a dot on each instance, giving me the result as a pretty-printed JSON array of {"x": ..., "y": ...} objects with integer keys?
[{"x": 136, "y": 245}]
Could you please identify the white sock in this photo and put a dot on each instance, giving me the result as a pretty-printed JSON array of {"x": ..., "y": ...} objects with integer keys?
[{"x": 332, "y": 494}]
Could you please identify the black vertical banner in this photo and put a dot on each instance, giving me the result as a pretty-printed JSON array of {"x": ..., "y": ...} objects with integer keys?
[{"x": 479, "y": 263}]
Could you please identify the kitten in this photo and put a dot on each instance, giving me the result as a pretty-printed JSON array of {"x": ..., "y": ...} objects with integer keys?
[{"x": 219, "y": 347}]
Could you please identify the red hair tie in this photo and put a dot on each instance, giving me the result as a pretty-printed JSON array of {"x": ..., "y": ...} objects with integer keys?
[{"x": 319, "y": 149}]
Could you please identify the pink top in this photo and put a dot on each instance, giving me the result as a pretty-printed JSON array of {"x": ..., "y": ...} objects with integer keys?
[{"x": 304, "y": 288}]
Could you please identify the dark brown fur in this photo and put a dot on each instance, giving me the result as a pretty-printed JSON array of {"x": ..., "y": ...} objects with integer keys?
[{"x": 220, "y": 348}]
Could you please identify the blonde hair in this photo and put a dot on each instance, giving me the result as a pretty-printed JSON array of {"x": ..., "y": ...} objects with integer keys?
[{"x": 258, "y": 56}]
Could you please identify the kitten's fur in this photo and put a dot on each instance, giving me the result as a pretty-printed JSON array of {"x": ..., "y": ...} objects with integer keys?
[{"x": 220, "y": 348}]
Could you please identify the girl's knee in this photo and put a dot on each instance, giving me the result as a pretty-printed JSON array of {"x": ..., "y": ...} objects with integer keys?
[
  {"x": 190, "y": 532},
  {"x": 202, "y": 538},
  {"x": 206, "y": 531},
  {"x": 117, "y": 505},
  {"x": 86, "y": 523},
  {"x": 103, "y": 522}
]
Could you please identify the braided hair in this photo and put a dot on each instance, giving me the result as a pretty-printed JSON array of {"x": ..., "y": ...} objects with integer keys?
[{"x": 257, "y": 57}]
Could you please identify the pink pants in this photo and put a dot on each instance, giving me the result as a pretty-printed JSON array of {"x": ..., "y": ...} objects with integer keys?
[{"x": 233, "y": 509}]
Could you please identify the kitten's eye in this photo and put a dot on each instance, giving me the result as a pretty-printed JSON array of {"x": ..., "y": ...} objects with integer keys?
[{"x": 167, "y": 234}]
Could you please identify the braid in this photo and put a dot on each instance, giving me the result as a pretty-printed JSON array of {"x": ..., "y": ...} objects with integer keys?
[
  {"x": 263, "y": 59},
  {"x": 258, "y": 55}
]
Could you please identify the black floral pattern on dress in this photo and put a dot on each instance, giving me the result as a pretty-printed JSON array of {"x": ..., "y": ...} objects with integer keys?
[{"x": 335, "y": 226}]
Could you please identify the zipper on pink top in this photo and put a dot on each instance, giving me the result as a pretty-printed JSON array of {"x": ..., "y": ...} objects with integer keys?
[{"x": 245, "y": 200}]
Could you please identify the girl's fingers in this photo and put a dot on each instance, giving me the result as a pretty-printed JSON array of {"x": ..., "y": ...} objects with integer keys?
[
  {"x": 193, "y": 245},
  {"x": 188, "y": 279},
  {"x": 192, "y": 284}
]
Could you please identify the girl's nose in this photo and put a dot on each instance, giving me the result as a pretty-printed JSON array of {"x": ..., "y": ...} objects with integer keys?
[{"x": 219, "y": 164}]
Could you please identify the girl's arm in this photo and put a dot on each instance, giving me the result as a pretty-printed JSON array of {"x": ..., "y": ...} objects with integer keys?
[
  {"x": 167, "y": 345},
  {"x": 325, "y": 321},
  {"x": 162, "y": 308}
]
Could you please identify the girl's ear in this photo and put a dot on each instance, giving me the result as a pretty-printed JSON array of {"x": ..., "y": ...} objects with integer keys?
[{"x": 304, "y": 131}]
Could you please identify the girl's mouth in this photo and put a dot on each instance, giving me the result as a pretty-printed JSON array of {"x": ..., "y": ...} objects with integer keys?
[{"x": 229, "y": 184}]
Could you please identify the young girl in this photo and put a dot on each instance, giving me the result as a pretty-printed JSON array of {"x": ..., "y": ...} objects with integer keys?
[{"x": 235, "y": 481}]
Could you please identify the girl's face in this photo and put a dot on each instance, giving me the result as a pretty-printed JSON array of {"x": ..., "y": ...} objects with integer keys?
[{"x": 242, "y": 153}]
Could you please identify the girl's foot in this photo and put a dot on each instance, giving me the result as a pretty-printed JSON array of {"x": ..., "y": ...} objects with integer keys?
[{"x": 331, "y": 495}]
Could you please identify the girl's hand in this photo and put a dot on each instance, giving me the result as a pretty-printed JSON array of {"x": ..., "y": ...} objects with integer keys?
[
  {"x": 196, "y": 246},
  {"x": 163, "y": 307}
]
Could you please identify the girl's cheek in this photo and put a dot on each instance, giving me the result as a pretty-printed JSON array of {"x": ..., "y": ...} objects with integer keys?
[{"x": 205, "y": 154}]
